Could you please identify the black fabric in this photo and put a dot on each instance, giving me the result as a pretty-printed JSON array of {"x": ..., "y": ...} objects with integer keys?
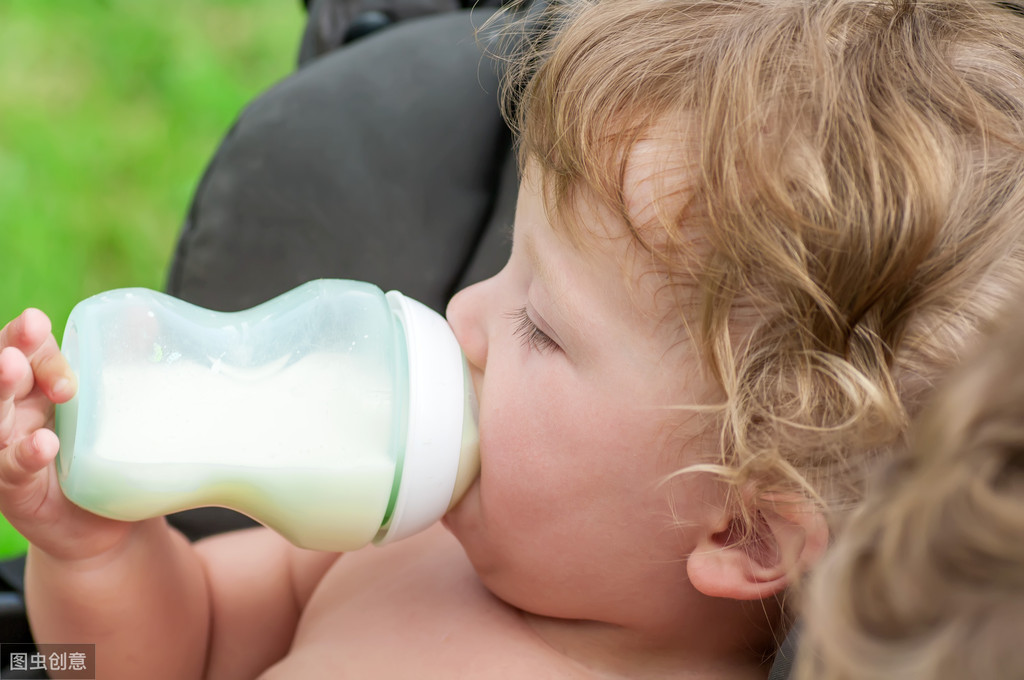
[
  {"x": 13, "y": 619},
  {"x": 782, "y": 666},
  {"x": 12, "y": 574},
  {"x": 380, "y": 162},
  {"x": 333, "y": 23}
]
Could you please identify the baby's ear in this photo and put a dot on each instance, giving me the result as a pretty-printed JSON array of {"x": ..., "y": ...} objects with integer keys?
[{"x": 787, "y": 538}]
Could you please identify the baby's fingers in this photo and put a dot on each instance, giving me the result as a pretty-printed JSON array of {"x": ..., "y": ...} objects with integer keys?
[
  {"x": 15, "y": 382},
  {"x": 30, "y": 334},
  {"x": 26, "y": 332},
  {"x": 23, "y": 460},
  {"x": 52, "y": 372},
  {"x": 15, "y": 374}
]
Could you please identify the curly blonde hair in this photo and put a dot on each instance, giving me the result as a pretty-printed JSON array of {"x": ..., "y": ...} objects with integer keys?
[
  {"x": 857, "y": 186},
  {"x": 927, "y": 580}
]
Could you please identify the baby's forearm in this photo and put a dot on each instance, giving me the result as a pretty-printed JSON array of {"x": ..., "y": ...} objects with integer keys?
[{"x": 144, "y": 605}]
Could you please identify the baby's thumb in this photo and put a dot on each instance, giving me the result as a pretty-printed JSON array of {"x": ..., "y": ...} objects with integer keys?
[{"x": 23, "y": 459}]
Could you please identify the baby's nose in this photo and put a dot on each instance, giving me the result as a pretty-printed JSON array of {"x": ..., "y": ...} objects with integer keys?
[{"x": 465, "y": 316}]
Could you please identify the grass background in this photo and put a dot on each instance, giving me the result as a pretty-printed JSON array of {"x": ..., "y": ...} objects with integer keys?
[{"x": 109, "y": 112}]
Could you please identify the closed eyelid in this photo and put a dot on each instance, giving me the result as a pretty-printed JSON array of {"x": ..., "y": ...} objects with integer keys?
[
  {"x": 545, "y": 277},
  {"x": 529, "y": 333}
]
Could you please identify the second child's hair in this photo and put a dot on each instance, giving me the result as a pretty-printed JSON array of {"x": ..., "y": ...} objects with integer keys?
[
  {"x": 853, "y": 213},
  {"x": 927, "y": 581}
]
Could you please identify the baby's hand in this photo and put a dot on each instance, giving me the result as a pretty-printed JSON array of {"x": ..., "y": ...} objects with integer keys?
[{"x": 34, "y": 376}]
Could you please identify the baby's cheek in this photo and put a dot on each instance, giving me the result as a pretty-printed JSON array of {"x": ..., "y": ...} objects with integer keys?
[
  {"x": 504, "y": 477},
  {"x": 516, "y": 456},
  {"x": 501, "y": 436}
]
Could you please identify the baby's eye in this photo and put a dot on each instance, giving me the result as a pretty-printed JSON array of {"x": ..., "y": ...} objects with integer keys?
[{"x": 531, "y": 336}]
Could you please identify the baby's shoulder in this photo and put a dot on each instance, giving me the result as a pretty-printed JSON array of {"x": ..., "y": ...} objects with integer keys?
[{"x": 414, "y": 609}]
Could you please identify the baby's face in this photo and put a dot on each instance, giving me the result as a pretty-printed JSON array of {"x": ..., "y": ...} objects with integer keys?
[{"x": 578, "y": 356}]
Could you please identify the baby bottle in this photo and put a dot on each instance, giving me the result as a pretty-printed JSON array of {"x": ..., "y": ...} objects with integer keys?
[{"x": 335, "y": 414}]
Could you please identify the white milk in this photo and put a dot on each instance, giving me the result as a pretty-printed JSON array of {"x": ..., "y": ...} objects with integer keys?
[{"x": 300, "y": 447}]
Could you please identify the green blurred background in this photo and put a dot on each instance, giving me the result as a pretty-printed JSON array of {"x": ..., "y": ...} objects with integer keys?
[{"x": 109, "y": 112}]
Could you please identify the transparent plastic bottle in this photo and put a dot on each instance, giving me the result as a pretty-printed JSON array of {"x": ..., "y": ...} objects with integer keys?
[{"x": 335, "y": 414}]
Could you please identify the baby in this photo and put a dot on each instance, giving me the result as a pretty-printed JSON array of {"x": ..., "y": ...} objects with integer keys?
[
  {"x": 749, "y": 237},
  {"x": 927, "y": 580}
]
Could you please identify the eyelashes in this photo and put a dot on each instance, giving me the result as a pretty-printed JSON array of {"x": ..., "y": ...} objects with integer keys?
[{"x": 528, "y": 333}]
